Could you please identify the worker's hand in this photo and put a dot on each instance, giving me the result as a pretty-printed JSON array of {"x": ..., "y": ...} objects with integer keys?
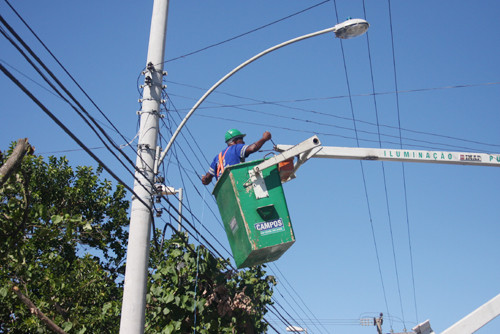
[
  {"x": 266, "y": 136},
  {"x": 206, "y": 179}
]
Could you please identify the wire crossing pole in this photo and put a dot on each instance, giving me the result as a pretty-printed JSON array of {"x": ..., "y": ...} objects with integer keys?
[{"x": 136, "y": 272}]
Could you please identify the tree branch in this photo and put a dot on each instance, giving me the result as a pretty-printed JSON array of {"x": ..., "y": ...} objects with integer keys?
[
  {"x": 36, "y": 311},
  {"x": 14, "y": 160}
]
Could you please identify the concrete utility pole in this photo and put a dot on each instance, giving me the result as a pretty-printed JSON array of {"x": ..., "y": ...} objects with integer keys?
[
  {"x": 378, "y": 322},
  {"x": 136, "y": 272}
]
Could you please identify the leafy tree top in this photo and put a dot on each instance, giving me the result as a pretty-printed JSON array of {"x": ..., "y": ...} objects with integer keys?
[{"x": 62, "y": 250}]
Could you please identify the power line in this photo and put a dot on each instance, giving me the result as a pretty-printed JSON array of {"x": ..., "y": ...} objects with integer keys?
[
  {"x": 46, "y": 110},
  {"x": 362, "y": 167},
  {"x": 314, "y": 131},
  {"x": 64, "y": 68},
  {"x": 59, "y": 97},
  {"x": 378, "y": 133},
  {"x": 68, "y": 132},
  {"x": 335, "y": 97},
  {"x": 403, "y": 170},
  {"x": 81, "y": 108},
  {"x": 435, "y": 145},
  {"x": 286, "y": 289},
  {"x": 280, "y": 103},
  {"x": 248, "y": 32}
]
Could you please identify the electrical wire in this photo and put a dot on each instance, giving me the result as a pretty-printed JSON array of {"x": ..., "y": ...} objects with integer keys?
[
  {"x": 186, "y": 128},
  {"x": 280, "y": 103},
  {"x": 403, "y": 167},
  {"x": 64, "y": 69},
  {"x": 297, "y": 294},
  {"x": 361, "y": 164},
  {"x": 378, "y": 133},
  {"x": 51, "y": 74},
  {"x": 248, "y": 32},
  {"x": 293, "y": 299},
  {"x": 79, "y": 111},
  {"x": 72, "y": 97},
  {"x": 46, "y": 110},
  {"x": 69, "y": 133},
  {"x": 187, "y": 159}
]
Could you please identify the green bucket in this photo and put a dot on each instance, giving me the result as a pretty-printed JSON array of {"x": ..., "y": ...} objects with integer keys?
[{"x": 258, "y": 230}]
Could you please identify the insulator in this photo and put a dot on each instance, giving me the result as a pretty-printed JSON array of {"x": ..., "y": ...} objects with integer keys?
[{"x": 158, "y": 212}]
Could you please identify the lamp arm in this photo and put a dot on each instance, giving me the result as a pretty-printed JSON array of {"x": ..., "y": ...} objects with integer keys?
[{"x": 227, "y": 76}]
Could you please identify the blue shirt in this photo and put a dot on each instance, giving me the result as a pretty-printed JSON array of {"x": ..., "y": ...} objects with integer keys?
[{"x": 234, "y": 155}]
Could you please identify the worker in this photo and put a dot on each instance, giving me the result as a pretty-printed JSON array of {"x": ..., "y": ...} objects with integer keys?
[{"x": 235, "y": 152}]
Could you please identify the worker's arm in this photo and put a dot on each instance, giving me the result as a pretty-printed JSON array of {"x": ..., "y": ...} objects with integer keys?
[
  {"x": 258, "y": 144},
  {"x": 206, "y": 179}
]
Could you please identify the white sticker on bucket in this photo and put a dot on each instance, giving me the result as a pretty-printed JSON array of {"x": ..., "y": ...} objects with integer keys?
[{"x": 234, "y": 225}]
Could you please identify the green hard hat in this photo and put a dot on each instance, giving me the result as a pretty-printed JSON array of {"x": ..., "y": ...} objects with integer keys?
[{"x": 233, "y": 133}]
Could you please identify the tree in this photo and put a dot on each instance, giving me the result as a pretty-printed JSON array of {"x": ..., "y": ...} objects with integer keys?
[
  {"x": 190, "y": 288},
  {"x": 52, "y": 218},
  {"x": 62, "y": 249}
]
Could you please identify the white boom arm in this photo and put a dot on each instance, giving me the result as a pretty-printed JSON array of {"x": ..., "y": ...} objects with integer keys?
[
  {"x": 477, "y": 319},
  {"x": 470, "y": 323},
  {"x": 383, "y": 154},
  {"x": 311, "y": 148}
]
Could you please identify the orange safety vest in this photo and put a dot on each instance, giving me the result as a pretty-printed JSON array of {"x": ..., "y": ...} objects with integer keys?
[{"x": 220, "y": 165}]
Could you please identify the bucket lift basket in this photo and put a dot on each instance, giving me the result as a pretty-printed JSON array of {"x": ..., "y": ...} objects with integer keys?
[{"x": 253, "y": 208}]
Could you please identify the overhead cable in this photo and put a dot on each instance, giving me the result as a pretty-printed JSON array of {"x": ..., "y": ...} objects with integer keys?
[
  {"x": 403, "y": 169},
  {"x": 361, "y": 163},
  {"x": 65, "y": 70},
  {"x": 64, "y": 89},
  {"x": 248, "y": 32}
]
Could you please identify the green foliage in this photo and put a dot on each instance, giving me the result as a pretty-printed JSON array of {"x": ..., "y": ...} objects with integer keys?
[
  {"x": 62, "y": 242},
  {"x": 52, "y": 217},
  {"x": 189, "y": 282}
]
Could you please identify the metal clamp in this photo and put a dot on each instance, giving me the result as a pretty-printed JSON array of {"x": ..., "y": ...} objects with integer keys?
[{"x": 258, "y": 183}]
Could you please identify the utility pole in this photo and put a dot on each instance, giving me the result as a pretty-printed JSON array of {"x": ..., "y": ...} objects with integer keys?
[
  {"x": 373, "y": 322},
  {"x": 136, "y": 272},
  {"x": 378, "y": 322}
]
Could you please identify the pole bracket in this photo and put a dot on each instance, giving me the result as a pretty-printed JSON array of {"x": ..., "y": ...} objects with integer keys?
[{"x": 152, "y": 112}]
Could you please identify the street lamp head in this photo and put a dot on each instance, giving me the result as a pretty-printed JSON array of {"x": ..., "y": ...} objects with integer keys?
[
  {"x": 351, "y": 28},
  {"x": 295, "y": 329}
]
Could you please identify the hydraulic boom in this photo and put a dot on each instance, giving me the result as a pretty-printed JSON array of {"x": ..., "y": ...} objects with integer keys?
[{"x": 385, "y": 154}]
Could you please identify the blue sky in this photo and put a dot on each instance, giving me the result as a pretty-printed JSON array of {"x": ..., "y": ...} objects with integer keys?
[{"x": 413, "y": 241}]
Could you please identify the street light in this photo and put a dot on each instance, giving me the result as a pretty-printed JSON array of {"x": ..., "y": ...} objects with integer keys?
[
  {"x": 348, "y": 29},
  {"x": 351, "y": 28},
  {"x": 296, "y": 329}
]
